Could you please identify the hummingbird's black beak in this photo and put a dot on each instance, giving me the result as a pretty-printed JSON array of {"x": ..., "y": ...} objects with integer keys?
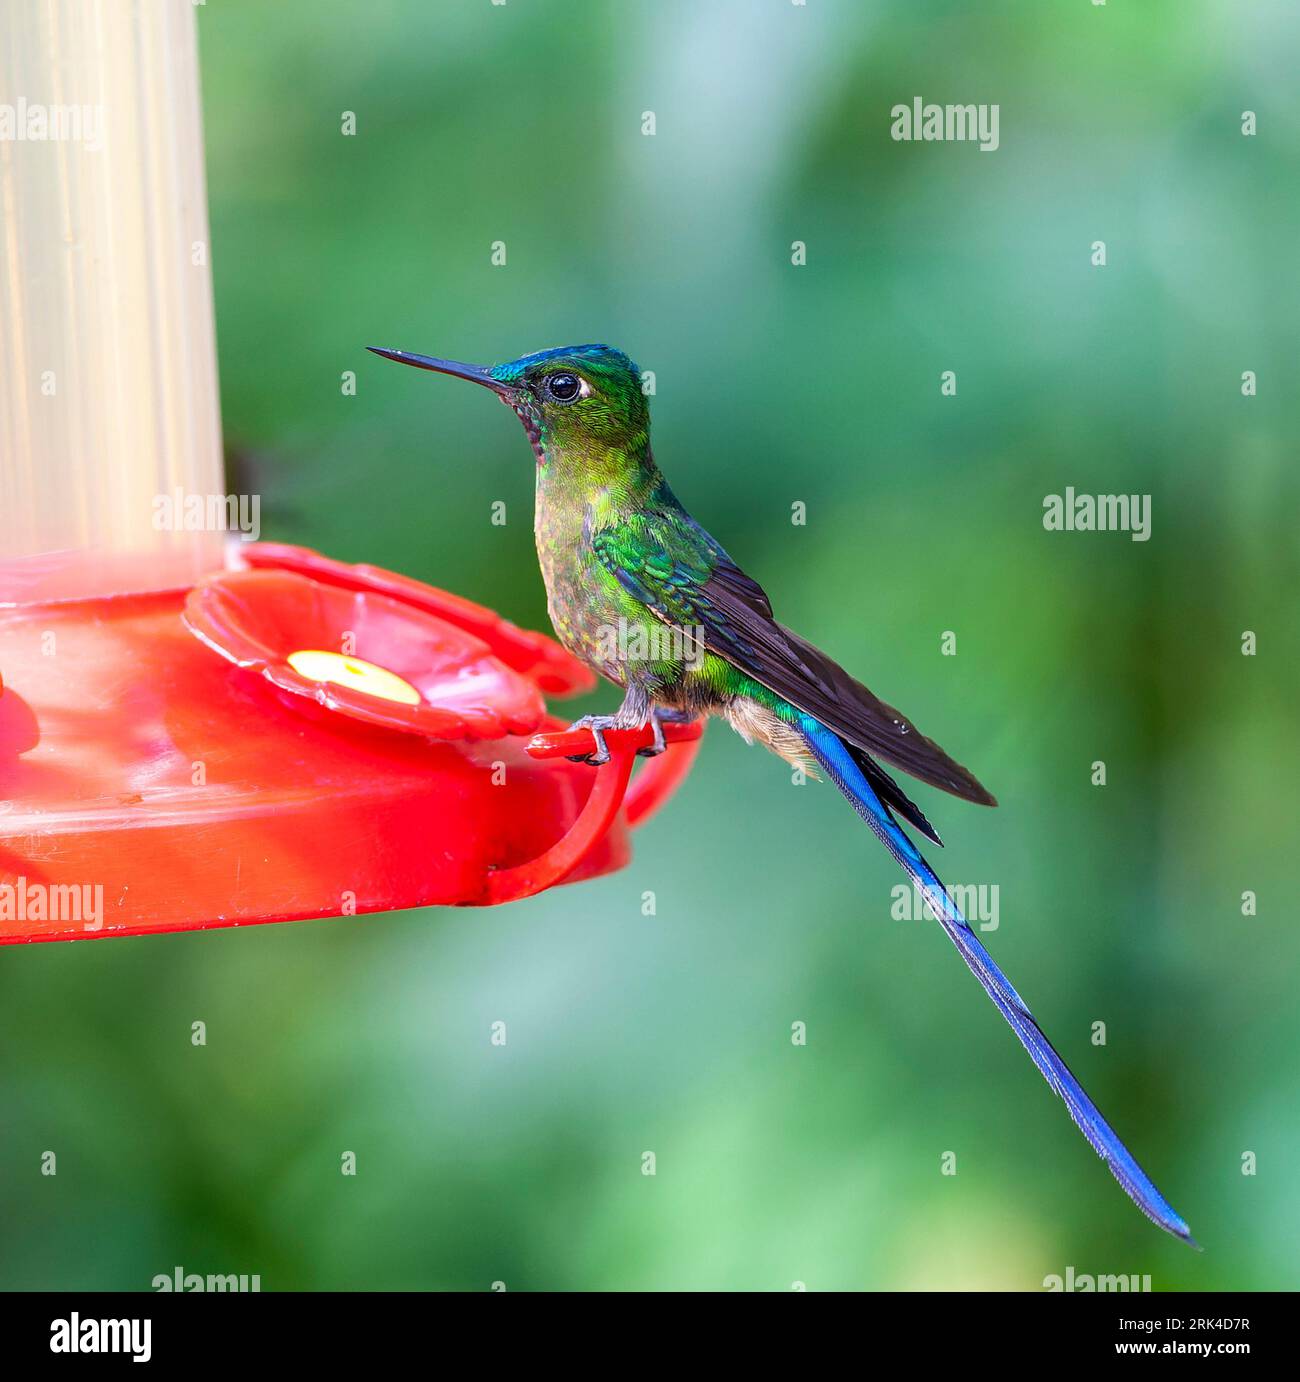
[{"x": 477, "y": 374}]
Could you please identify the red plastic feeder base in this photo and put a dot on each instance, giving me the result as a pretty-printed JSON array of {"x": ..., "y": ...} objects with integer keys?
[{"x": 298, "y": 739}]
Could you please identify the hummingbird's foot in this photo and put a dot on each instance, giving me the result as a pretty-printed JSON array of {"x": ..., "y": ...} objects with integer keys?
[
  {"x": 661, "y": 715},
  {"x": 655, "y": 749},
  {"x": 635, "y": 713},
  {"x": 596, "y": 725}
]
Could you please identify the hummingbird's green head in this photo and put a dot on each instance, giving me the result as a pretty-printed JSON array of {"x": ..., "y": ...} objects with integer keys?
[{"x": 583, "y": 401}]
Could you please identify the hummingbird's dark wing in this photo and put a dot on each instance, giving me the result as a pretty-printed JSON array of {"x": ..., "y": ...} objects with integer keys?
[
  {"x": 665, "y": 559},
  {"x": 789, "y": 665}
]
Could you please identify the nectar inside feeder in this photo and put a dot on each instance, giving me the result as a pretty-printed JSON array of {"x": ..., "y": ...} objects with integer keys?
[
  {"x": 405, "y": 668},
  {"x": 353, "y": 672},
  {"x": 224, "y": 743}
]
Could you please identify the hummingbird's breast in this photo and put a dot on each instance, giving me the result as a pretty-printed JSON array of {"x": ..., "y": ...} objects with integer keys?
[{"x": 583, "y": 611}]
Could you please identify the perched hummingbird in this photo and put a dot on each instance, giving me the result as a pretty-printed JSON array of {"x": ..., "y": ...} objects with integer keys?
[{"x": 619, "y": 553}]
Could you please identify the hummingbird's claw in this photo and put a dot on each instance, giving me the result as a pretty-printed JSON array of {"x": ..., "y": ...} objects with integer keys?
[
  {"x": 653, "y": 750},
  {"x": 596, "y": 727},
  {"x": 593, "y": 760}
]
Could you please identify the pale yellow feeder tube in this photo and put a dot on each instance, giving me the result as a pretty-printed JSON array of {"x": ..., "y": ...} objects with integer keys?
[{"x": 108, "y": 383}]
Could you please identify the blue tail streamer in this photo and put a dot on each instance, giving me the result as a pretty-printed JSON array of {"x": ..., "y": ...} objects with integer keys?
[{"x": 840, "y": 767}]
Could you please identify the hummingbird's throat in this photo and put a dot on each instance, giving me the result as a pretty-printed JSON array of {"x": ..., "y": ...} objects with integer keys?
[{"x": 531, "y": 426}]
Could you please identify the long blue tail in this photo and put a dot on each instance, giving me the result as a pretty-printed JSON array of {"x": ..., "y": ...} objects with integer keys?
[{"x": 841, "y": 768}]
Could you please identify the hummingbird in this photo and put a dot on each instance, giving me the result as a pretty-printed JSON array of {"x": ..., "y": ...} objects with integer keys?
[{"x": 641, "y": 593}]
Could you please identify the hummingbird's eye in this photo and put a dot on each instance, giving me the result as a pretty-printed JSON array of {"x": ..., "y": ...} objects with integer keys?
[{"x": 565, "y": 387}]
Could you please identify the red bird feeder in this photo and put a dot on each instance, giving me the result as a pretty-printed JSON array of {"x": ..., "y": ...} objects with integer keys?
[
  {"x": 187, "y": 741},
  {"x": 181, "y": 760}
]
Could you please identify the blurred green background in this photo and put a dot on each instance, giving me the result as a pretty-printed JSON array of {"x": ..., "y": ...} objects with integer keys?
[{"x": 671, "y": 1033}]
